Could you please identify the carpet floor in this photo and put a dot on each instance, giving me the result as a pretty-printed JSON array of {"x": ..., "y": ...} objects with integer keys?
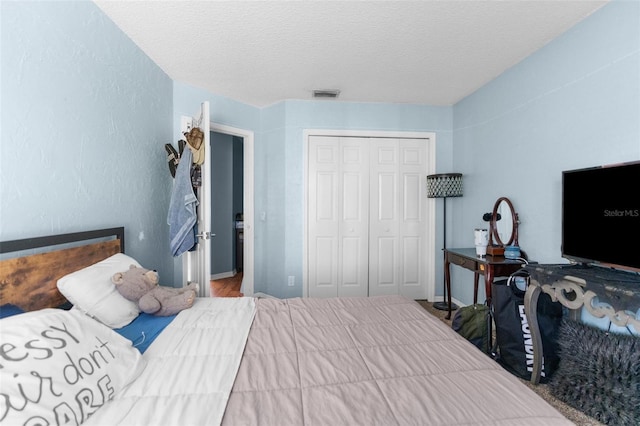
[{"x": 576, "y": 416}]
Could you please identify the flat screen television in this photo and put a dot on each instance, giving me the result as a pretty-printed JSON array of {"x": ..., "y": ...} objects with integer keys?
[{"x": 601, "y": 216}]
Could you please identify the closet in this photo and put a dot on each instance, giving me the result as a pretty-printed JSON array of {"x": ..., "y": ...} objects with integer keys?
[{"x": 366, "y": 216}]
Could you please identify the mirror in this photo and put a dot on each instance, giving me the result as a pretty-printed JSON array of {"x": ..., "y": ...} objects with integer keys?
[{"x": 503, "y": 227}]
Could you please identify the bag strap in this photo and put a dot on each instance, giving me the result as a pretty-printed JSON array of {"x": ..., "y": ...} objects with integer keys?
[
  {"x": 493, "y": 343},
  {"x": 511, "y": 282}
]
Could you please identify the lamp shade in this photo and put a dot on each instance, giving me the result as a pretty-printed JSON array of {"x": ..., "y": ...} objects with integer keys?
[{"x": 444, "y": 185}]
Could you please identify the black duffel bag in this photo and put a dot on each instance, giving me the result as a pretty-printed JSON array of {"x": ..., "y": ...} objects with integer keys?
[{"x": 513, "y": 337}]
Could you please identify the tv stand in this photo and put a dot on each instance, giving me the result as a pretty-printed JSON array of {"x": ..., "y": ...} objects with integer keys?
[
  {"x": 575, "y": 286},
  {"x": 575, "y": 266}
]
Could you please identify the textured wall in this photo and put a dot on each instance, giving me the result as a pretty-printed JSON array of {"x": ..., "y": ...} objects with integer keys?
[
  {"x": 187, "y": 100},
  {"x": 279, "y": 166},
  {"x": 575, "y": 103},
  {"x": 85, "y": 115},
  {"x": 222, "y": 245}
]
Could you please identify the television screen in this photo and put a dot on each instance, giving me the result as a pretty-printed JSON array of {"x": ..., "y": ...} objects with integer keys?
[{"x": 601, "y": 215}]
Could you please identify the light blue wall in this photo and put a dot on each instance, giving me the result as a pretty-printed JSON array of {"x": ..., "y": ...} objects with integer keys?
[
  {"x": 85, "y": 115},
  {"x": 278, "y": 165},
  {"x": 222, "y": 215},
  {"x": 226, "y": 199},
  {"x": 575, "y": 103},
  {"x": 270, "y": 203},
  {"x": 186, "y": 102},
  {"x": 238, "y": 175},
  {"x": 280, "y": 192}
]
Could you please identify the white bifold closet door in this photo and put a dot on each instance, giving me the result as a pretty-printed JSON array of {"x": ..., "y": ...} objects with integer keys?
[{"x": 366, "y": 216}]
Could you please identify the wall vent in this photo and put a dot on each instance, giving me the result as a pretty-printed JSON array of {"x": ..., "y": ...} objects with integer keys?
[{"x": 326, "y": 94}]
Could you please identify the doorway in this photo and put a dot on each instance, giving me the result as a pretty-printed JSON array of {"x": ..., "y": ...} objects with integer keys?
[
  {"x": 231, "y": 190},
  {"x": 227, "y": 190}
]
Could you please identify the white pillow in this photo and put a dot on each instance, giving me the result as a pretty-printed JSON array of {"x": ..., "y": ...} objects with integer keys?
[
  {"x": 91, "y": 290},
  {"x": 58, "y": 367}
]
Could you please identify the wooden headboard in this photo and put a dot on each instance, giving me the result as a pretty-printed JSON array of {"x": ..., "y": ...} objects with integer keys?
[{"x": 30, "y": 281}]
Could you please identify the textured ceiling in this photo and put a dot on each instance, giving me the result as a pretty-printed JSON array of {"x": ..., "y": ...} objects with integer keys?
[{"x": 259, "y": 53}]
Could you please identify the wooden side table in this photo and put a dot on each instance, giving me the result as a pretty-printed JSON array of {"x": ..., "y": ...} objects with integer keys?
[
  {"x": 575, "y": 286},
  {"x": 489, "y": 266}
]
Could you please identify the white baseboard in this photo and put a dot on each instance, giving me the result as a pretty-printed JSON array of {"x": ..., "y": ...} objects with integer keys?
[{"x": 223, "y": 275}]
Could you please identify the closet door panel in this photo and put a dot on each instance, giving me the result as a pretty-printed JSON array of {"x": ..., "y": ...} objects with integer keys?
[
  {"x": 338, "y": 217},
  {"x": 354, "y": 222},
  {"x": 384, "y": 270},
  {"x": 325, "y": 271},
  {"x": 411, "y": 197},
  {"x": 351, "y": 267},
  {"x": 412, "y": 225},
  {"x": 323, "y": 217},
  {"x": 367, "y": 216},
  {"x": 411, "y": 261},
  {"x": 386, "y": 208},
  {"x": 385, "y": 263}
]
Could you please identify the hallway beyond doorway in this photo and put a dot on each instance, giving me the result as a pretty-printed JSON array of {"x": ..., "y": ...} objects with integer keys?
[{"x": 227, "y": 287}]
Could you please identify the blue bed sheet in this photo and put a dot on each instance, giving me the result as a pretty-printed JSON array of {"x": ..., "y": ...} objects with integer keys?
[
  {"x": 8, "y": 310},
  {"x": 143, "y": 330}
]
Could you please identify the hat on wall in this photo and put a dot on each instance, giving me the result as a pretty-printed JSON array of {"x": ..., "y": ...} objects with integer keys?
[{"x": 195, "y": 138}]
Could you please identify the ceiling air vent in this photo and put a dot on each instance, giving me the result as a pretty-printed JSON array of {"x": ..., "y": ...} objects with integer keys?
[{"x": 326, "y": 94}]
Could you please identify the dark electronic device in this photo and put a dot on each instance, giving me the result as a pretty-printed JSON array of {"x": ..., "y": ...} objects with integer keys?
[{"x": 601, "y": 216}]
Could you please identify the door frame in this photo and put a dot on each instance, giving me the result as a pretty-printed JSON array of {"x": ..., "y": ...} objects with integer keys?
[
  {"x": 248, "y": 201},
  {"x": 431, "y": 205}
]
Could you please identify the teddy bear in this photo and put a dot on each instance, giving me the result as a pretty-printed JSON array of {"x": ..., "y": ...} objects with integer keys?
[{"x": 140, "y": 286}]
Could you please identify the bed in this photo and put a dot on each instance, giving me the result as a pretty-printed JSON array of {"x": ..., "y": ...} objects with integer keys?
[{"x": 232, "y": 361}]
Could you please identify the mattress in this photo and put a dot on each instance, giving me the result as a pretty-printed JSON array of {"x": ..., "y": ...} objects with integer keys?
[
  {"x": 371, "y": 361},
  {"x": 343, "y": 361}
]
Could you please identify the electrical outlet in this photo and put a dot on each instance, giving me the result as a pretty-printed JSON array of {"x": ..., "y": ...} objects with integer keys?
[{"x": 292, "y": 281}]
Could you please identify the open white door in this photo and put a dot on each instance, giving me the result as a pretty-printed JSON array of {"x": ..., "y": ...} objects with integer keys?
[{"x": 196, "y": 265}]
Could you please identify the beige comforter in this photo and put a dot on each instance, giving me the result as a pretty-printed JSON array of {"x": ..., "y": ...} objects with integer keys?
[{"x": 371, "y": 361}]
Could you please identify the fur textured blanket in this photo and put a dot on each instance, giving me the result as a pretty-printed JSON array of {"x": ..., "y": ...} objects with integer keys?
[{"x": 599, "y": 373}]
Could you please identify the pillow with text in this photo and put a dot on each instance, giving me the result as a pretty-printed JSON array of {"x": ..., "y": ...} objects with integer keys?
[{"x": 59, "y": 367}]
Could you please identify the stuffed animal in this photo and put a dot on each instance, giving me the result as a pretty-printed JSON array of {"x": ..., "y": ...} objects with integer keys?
[{"x": 140, "y": 285}]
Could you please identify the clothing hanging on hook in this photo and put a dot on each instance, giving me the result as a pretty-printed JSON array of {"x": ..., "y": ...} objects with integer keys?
[{"x": 195, "y": 138}]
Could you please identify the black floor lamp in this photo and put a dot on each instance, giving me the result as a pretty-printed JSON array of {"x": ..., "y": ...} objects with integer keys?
[{"x": 442, "y": 186}]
